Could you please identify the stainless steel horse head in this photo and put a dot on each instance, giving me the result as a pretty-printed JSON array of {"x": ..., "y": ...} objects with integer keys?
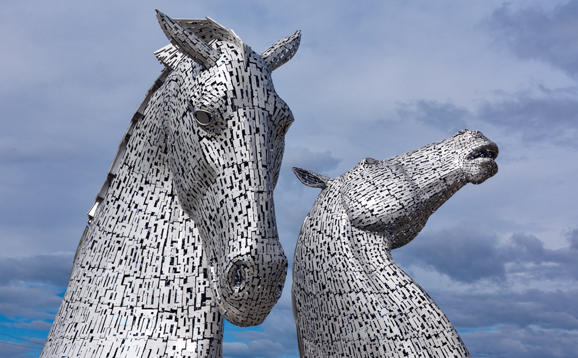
[{"x": 225, "y": 128}]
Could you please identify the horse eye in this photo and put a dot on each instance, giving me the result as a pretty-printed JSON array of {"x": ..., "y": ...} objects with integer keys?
[{"x": 203, "y": 117}]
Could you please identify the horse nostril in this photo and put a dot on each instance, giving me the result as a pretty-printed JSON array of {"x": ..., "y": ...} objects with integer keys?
[
  {"x": 237, "y": 277},
  {"x": 279, "y": 291},
  {"x": 203, "y": 117}
]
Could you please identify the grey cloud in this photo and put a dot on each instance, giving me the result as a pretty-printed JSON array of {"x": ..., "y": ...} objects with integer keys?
[
  {"x": 16, "y": 351},
  {"x": 460, "y": 253},
  {"x": 13, "y": 151},
  {"x": 320, "y": 162},
  {"x": 29, "y": 301},
  {"x": 53, "y": 269},
  {"x": 551, "y": 118},
  {"x": 37, "y": 325},
  {"x": 531, "y": 308},
  {"x": 573, "y": 239},
  {"x": 511, "y": 342},
  {"x": 278, "y": 338},
  {"x": 29, "y": 287},
  {"x": 532, "y": 33},
  {"x": 253, "y": 349},
  {"x": 444, "y": 116},
  {"x": 465, "y": 254},
  {"x": 526, "y": 255}
]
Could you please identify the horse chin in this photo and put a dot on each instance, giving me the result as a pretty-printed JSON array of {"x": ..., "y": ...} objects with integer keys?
[{"x": 479, "y": 170}]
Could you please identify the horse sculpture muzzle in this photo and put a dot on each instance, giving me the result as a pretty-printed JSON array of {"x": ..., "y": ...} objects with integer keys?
[
  {"x": 477, "y": 155},
  {"x": 249, "y": 266}
]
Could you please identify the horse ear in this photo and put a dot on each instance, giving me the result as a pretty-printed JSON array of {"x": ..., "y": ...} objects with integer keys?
[
  {"x": 310, "y": 178},
  {"x": 282, "y": 51},
  {"x": 187, "y": 42}
]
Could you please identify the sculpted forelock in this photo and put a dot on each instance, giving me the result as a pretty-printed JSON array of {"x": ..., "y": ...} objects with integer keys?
[
  {"x": 183, "y": 232},
  {"x": 349, "y": 296}
]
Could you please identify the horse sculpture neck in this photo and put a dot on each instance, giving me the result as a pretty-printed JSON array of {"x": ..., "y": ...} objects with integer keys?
[{"x": 363, "y": 304}]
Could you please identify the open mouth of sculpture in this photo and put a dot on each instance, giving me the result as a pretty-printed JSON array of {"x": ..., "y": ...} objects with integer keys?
[{"x": 488, "y": 151}]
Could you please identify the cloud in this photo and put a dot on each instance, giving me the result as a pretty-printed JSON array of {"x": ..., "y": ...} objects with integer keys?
[
  {"x": 509, "y": 297},
  {"x": 532, "y": 308},
  {"x": 321, "y": 162},
  {"x": 53, "y": 269},
  {"x": 444, "y": 116},
  {"x": 23, "y": 300},
  {"x": 512, "y": 342},
  {"x": 30, "y": 287},
  {"x": 573, "y": 239},
  {"x": 37, "y": 325},
  {"x": 460, "y": 253},
  {"x": 16, "y": 350},
  {"x": 551, "y": 118},
  {"x": 260, "y": 348},
  {"x": 13, "y": 151},
  {"x": 276, "y": 338},
  {"x": 547, "y": 116},
  {"x": 532, "y": 33},
  {"x": 466, "y": 254}
]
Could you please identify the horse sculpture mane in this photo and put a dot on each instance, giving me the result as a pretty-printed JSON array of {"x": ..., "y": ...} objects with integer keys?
[
  {"x": 350, "y": 299},
  {"x": 206, "y": 29},
  {"x": 183, "y": 233}
]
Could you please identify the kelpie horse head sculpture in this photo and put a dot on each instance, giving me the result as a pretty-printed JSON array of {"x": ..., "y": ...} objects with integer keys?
[
  {"x": 226, "y": 126},
  {"x": 183, "y": 230},
  {"x": 349, "y": 296}
]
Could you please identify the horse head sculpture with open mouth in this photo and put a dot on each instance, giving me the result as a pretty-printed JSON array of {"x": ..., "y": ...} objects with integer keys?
[{"x": 350, "y": 298}]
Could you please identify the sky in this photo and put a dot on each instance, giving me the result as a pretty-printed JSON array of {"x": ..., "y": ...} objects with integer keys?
[{"x": 372, "y": 78}]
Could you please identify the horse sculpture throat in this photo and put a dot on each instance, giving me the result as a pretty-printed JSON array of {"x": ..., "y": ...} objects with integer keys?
[
  {"x": 184, "y": 227},
  {"x": 350, "y": 299}
]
